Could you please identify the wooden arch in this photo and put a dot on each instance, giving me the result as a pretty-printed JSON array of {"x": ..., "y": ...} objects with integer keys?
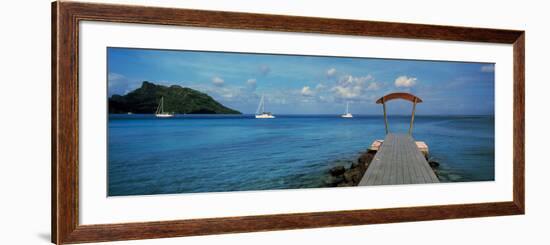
[{"x": 404, "y": 96}]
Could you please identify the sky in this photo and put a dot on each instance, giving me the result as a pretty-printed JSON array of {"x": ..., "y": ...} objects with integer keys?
[{"x": 295, "y": 84}]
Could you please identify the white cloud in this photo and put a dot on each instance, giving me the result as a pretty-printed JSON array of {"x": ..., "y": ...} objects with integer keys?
[
  {"x": 320, "y": 87},
  {"x": 331, "y": 72},
  {"x": 115, "y": 76},
  {"x": 120, "y": 84},
  {"x": 488, "y": 68},
  {"x": 347, "y": 93},
  {"x": 350, "y": 87},
  {"x": 264, "y": 70},
  {"x": 306, "y": 91},
  {"x": 226, "y": 94},
  {"x": 373, "y": 86},
  {"x": 404, "y": 81},
  {"x": 217, "y": 81},
  {"x": 325, "y": 99},
  {"x": 251, "y": 83}
]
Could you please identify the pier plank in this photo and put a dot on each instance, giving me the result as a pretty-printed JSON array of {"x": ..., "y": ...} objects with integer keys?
[{"x": 398, "y": 161}]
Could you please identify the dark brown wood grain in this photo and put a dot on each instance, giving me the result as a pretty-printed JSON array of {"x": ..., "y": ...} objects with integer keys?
[
  {"x": 65, "y": 105},
  {"x": 405, "y": 96},
  {"x": 234, "y": 20},
  {"x": 65, "y": 121},
  {"x": 54, "y": 123},
  {"x": 519, "y": 123},
  {"x": 149, "y": 230}
]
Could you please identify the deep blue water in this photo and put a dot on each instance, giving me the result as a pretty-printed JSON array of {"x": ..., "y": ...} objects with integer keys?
[{"x": 212, "y": 153}]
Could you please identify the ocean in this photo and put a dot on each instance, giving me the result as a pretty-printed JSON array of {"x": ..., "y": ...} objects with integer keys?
[{"x": 217, "y": 153}]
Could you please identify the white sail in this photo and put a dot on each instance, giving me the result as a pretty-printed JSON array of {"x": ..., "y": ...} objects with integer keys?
[
  {"x": 260, "y": 106},
  {"x": 160, "y": 106},
  {"x": 261, "y": 113}
]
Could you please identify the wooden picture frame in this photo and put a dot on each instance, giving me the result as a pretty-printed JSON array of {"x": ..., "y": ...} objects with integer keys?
[{"x": 65, "y": 121}]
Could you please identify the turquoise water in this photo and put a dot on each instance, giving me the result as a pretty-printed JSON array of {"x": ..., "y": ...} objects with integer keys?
[{"x": 213, "y": 153}]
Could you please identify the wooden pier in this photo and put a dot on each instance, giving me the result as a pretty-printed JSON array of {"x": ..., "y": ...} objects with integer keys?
[
  {"x": 399, "y": 158},
  {"x": 398, "y": 161}
]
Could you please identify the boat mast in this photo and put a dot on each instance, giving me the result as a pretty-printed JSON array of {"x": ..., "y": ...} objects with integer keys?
[
  {"x": 263, "y": 104},
  {"x": 347, "y": 108},
  {"x": 160, "y": 108},
  {"x": 260, "y": 106}
]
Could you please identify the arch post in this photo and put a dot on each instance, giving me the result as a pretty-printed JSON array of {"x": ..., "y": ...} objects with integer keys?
[
  {"x": 404, "y": 96},
  {"x": 385, "y": 116},
  {"x": 412, "y": 117}
]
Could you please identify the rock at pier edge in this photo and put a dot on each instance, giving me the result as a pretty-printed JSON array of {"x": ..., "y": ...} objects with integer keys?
[{"x": 341, "y": 176}]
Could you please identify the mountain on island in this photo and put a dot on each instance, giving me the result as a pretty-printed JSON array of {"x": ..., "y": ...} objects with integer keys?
[{"x": 177, "y": 99}]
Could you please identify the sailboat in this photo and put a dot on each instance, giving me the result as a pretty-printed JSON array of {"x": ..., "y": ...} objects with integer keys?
[
  {"x": 347, "y": 115},
  {"x": 160, "y": 110},
  {"x": 261, "y": 113}
]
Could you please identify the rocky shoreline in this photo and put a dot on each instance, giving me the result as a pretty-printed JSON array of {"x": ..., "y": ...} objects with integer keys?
[{"x": 340, "y": 176}]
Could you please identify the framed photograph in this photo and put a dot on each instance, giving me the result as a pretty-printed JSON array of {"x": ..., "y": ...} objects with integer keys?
[{"x": 176, "y": 122}]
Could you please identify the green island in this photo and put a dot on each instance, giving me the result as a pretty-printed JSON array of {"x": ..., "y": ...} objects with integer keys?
[{"x": 177, "y": 99}]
